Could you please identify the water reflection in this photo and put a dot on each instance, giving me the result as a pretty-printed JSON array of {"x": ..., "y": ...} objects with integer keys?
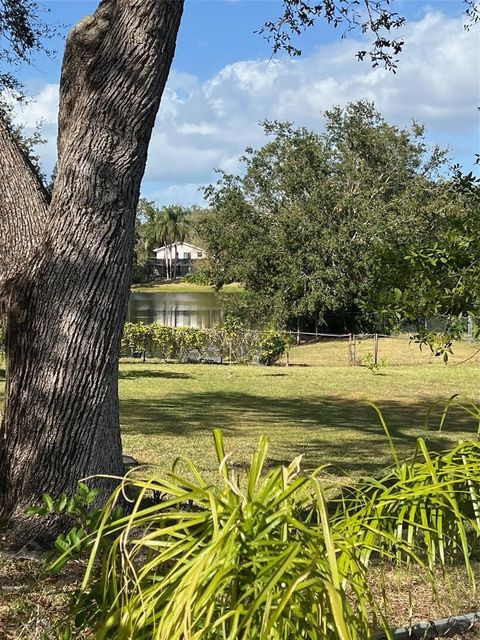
[{"x": 199, "y": 310}]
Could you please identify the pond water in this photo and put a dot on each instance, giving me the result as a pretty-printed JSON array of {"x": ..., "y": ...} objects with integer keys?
[{"x": 199, "y": 310}]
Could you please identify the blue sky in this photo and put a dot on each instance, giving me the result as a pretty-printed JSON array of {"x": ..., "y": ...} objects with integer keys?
[{"x": 223, "y": 83}]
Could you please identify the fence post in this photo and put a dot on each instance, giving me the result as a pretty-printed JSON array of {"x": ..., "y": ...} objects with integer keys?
[
  {"x": 298, "y": 331},
  {"x": 375, "y": 348},
  {"x": 352, "y": 348}
]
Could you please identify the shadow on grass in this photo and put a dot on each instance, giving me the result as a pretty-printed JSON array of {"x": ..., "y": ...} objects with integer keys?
[
  {"x": 327, "y": 429},
  {"x": 275, "y": 375},
  {"x": 132, "y": 374}
]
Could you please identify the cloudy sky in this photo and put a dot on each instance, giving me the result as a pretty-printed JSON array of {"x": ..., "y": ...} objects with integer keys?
[{"x": 224, "y": 82}]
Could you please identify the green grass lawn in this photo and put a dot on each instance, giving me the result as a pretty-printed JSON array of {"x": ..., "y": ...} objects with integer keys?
[
  {"x": 321, "y": 411},
  {"x": 161, "y": 286},
  {"x": 317, "y": 407}
]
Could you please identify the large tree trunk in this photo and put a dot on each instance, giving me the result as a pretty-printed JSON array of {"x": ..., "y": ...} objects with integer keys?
[{"x": 65, "y": 312}]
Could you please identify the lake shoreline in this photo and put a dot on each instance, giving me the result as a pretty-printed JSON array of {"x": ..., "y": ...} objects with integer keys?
[{"x": 183, "y": 287}]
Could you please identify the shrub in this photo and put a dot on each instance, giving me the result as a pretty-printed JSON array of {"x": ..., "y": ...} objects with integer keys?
[
  {"x": 273, "y": 345},
  {"x": 140, "y": 273},
  {"x": 134, "y": 337},
  {"x": 241, "y": 344},
  {"x": 426, "y": 509},
  {"x": 198, "y": 277},
  {"x": 232, "y": 561},
  {"x": 163, "y": 341},
  {"x": 188, "y": 339},
  {"x": 181, "y": 343},
  {"x": 368, "y": 361},
  {"x": 263, "y": 559}
]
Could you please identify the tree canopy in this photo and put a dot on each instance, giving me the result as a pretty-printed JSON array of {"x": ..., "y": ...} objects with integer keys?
[{"x": 324, "y": 227}]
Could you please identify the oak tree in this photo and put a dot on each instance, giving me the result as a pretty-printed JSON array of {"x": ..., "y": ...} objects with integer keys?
[
  {"x": 65, "y": 265},
  {"x": 319, "y": 226}
]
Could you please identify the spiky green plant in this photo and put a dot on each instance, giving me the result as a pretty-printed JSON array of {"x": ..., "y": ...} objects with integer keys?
[
  {"x": 233, "y": 561},
  {"x": 426, "y": 509},
  {"x": 263, "y": 559}
]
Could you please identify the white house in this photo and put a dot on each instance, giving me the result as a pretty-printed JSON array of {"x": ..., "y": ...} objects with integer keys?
[
  {"x": 184, "y": 251},
  {"x": 175, "y": 260}
]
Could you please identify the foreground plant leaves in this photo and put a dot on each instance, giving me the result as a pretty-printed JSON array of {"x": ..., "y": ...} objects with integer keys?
[{"x": 268, "y": 558}]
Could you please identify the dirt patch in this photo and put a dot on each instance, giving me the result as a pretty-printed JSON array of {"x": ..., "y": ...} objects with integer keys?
[{"x": 33, "y": 602}]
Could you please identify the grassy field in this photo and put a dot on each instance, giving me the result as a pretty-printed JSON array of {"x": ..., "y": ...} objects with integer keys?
[
  {"x": 318, "y": 407},
  {"x": 160, "y": 286}
]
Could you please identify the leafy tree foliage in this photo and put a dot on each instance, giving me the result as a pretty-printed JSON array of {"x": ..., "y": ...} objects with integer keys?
[
  {"x": 373, "y": 16},
  {"x": 438, "y": 273},
  {"x": 23, "y": 31},
  {"x": 27, "y": 144},
  {"x": 323, "y": 227}
]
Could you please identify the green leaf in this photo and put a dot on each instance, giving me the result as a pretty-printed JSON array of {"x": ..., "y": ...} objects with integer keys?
[{"x": 48, "y": 502}]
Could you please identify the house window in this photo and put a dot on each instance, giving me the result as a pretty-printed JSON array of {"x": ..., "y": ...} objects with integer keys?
[
  {"x": 187, "y": 256},
  {"x": 199, "y": 254}
]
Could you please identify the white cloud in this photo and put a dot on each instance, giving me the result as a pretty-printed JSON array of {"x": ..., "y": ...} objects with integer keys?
[
  {"x": 188, "y": 194},
  {"x": 437, "y": 83},
  {"x": 42, "y": 110},
  {"x": 201, "y": 126}
]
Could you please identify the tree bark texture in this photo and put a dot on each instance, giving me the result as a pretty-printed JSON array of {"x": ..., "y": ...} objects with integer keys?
[
  {"x": 23, "y": 213},
  {"x": 65, "y": 312}
]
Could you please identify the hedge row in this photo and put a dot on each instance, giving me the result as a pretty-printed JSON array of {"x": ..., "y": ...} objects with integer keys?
[
  {"x": 220, "y": 344},
  {"x": 231, "y": 343}
]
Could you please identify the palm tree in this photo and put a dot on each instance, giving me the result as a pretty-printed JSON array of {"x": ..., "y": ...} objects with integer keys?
[
  {"x": 171, "y": 228},
  {"x": 162, "y": 227},
  {"x": 148, "y": 215}
]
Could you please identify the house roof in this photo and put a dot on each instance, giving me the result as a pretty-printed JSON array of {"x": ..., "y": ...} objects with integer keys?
[{"x": 185, "y": 244}]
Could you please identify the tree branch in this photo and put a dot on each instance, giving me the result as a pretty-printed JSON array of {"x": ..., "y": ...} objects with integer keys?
[{"x": 23, "y": 210}]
